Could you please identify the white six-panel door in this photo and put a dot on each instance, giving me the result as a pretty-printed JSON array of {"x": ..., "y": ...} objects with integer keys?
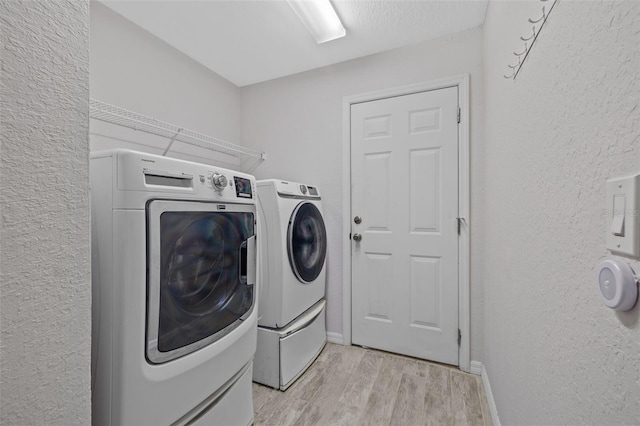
[{"x": 404, "y": 174}]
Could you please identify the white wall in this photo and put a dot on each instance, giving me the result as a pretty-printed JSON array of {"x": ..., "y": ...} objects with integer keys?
[
  {"x": 297, "y": 120},
  {"x": 135, "y": 70},
  {"x": 554, "y": 353},
  {"x": 45, "y": 288}
]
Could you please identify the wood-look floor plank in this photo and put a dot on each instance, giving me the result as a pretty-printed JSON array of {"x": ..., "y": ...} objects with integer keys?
[
  {"x": 379, "y": 407},
  {"x": 263, "y": 395},
  {"x": 423, "y": 367},
  {"x": 409, "y": 404},
  {"x": 307, "y": 385},
  {"x": 270, "y": 409},
  {"x": 283, "y": 414},
  {"x": 384, "y": 391},
  {"x": 437, "y": 399},
  {"x": 391, "y": 372},
  {"x": 409, "y": 365},
  {"x": 339, "y": 357},
  {"x": 484, "y": 403},
  {"x": 465, "y": 402},
  {"x": 344, "y": 415},
  {"x": 357, "y": 391},
  {"x": 351, "y": 385},
  {"x": 318, "y": 411}
]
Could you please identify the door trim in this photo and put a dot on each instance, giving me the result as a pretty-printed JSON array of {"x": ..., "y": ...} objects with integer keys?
[{"x": 462, "y": 82}]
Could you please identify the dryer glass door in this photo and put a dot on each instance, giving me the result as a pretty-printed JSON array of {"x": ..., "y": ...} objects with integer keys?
[
  {"x": 307, "y": 242},
  {"x": 201, "y": 271}
]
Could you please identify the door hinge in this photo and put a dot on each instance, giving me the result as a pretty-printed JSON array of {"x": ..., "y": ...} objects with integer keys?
[
  {"x": 460, "y": 222},
  {"x": 459, "y": 337},
  {"x": 459, "y": 115}
]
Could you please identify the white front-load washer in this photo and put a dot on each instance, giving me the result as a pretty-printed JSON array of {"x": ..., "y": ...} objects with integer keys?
[
  {"x": 174, "y": 290},
  {"x": 293, "y": 249}
]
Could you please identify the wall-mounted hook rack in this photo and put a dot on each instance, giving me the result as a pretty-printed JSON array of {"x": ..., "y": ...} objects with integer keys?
[
  {"x": 533, "y": 34},
  {"x": 530, "y": 40},
  {"x": 523, "y": 52},
  {"x": 544, "y": 16}
]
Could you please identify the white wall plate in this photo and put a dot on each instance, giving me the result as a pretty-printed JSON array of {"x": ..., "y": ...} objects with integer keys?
[{"x": 622, "y": 216}]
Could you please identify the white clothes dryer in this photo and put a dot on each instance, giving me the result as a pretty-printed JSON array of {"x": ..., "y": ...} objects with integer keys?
[
  {"x": 293, "y": 248},
  {"x": 294, "y": 251},
  {"x": 174, "y": 290}
]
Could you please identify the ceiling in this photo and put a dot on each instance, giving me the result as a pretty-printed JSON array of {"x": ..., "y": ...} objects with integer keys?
[{"x": 248, "y": 42}]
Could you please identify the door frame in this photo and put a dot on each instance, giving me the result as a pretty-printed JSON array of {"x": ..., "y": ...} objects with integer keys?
[{"x": 462, "y": 82}]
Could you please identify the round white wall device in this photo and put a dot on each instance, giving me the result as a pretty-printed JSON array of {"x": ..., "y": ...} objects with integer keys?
[{"x": 617, "y": 284}]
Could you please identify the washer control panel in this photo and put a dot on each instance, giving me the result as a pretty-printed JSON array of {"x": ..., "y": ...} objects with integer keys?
[
  {"x": 219, "y": 181},
  {"x": 142, "y": 175}
]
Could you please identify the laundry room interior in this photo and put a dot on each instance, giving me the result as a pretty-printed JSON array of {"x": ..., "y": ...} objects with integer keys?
[{"x": 215, "y": 214}]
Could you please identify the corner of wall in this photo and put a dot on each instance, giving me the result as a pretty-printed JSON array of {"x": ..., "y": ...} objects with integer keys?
[{"x": 45, "y": 303}]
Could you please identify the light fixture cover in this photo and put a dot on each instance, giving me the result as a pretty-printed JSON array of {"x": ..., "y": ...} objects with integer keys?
[
  {"x": 320, "y": 18},
  {"x": 617, "y": 284}
]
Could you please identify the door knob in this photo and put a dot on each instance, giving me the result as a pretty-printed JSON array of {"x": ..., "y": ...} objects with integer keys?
[
  {"x": 357, "y": 237},
  {"x": 357, "y": 220}
]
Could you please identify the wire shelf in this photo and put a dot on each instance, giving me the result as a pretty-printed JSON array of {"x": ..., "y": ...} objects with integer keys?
[{"x": 119, "y": 116}]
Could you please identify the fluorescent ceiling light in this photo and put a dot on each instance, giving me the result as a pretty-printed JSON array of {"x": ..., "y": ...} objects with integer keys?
[{"x": 320, "y": 19}]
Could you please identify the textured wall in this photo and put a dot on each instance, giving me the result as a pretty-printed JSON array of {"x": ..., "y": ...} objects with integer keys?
[
  {"x": 297, "y": 120},
  {"x": 133, "y": 69},
  {"x": 554, "y": 353},
  {"x": 45, "y": 302}
]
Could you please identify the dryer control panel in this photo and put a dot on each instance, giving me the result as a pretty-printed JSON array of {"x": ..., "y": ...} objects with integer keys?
[{"x": 293, "y": 189}]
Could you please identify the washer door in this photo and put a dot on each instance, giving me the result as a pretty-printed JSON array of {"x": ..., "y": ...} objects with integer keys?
[
  {"x": 201, "y": 271},
  {"x": 306, "y": 242}
]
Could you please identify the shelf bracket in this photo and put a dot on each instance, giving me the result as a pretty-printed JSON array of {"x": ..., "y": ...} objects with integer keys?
[
  {"x": 171, "y": 142},
  {"x": 248, "y": 166}
]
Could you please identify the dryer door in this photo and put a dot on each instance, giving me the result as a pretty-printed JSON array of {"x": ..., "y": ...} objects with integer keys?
[
  {"x": 306, "y": 242},
  {"x": 201, "y": 273}
]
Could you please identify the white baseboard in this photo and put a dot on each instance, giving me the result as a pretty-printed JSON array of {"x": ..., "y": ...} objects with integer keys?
[
  {"x": 336, "y": 338},
  {"x": 475, "y": 367},
  {"x": 487, "y": 388}
]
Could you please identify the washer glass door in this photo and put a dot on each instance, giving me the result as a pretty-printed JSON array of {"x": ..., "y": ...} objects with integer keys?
[
  {"x": 201, "y": 271},
  {"x": 307, "y": 242}
]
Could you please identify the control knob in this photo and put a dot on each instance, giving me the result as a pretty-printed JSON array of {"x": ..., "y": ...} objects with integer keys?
[{"x": 219, "y": 181}]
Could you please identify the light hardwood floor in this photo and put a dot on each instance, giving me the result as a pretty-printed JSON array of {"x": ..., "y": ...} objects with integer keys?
[{"x": 349, "y": 385}]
